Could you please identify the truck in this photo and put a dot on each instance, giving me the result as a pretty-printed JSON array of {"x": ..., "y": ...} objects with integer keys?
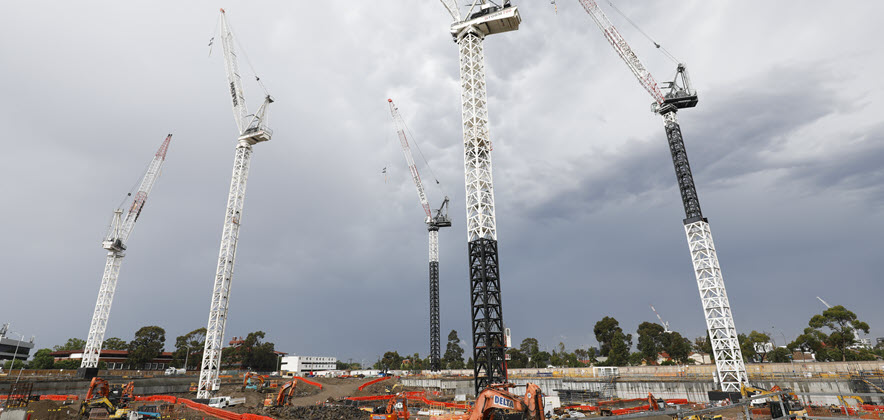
[
  {"x": 222, "y": 402},
  {"x": 175, "y": 371}
]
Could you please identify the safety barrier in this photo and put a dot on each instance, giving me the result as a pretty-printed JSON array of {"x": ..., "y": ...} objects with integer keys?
[
  {"x": 372, "y": 382},
  {"x": 316, "y": 384},
  {"x": 417, "y": 395},
  {"x": 59, "y": 397}
]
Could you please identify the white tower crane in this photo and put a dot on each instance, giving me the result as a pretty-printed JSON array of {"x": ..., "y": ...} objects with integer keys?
[
  {"x": 713, "y": 296},
  {"x": 824, "y": 302},
  {"x": 440, "y": 220},
  {"x": 662, "y": 322},
  {"x": 487, "y": 314},
  {"x": 252, "y": 129},
  {"x": 115, "y": 243}
]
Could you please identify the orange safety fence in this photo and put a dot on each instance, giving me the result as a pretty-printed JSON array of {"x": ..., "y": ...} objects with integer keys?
[
  {"x": 581, "y": 407},
  {"x": 316, "y": 384},
  {"x": 869, "y": 407},
  {"x": 59, "y": 397},
  {"x": 418, "y": 395},
  {"x": 212, "y": 411},
  {"x": 361, "y": 387}
]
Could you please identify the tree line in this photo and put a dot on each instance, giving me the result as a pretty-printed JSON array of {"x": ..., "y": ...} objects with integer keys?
[
  {"x": 148, "y": 343},
  {"x": 831, "y": 336}
]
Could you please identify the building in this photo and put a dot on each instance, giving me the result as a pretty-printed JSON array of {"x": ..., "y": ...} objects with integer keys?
[
  {"x": 305, "y": 364},
  {"x": 116, "y": 359},
  {"x": 11, "y": 348}
]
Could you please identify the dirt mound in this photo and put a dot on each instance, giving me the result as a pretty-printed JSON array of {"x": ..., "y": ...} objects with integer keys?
[{"x": 334, "y": 412}]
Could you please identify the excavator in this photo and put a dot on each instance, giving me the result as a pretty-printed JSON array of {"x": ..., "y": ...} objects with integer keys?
[
  {"x": 496, "y": 402},
  {"x": 252, "y": 380},
  {"x": 286, "y": 392},
  {"x": 112, "y": 398},
  {"x": 391, "y": 413},
  {"x": 793, "y": 407}
]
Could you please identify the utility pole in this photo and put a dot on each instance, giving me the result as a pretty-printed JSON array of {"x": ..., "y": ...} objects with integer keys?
[
  {"x": 252, "y": 129},
  {"x": 486, "y": 309}
]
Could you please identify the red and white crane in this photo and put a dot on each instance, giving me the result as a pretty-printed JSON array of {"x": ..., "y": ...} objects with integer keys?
[
  {"x": 713, "y": 296},
  {"x": 440, "y": 220},
  {"x": 252, "y": 129},
  {"x": 115, "y": 243}
]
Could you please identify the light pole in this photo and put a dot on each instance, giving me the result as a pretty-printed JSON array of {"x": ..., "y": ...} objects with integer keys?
[
  {"x": 791, "y": 362},
  {"x": 186, "y": 355}
]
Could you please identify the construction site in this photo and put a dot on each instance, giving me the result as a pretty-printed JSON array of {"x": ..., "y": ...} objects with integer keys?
[{"x": 732, "y": 385}]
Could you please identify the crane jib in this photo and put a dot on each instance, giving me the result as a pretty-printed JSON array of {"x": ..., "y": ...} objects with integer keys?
[{"x": 233, "y": 94}]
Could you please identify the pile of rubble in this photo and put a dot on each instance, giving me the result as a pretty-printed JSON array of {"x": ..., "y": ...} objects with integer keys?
[{"x": 318, "y": 412}]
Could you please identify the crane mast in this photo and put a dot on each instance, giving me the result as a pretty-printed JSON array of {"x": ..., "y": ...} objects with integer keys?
[
  {"x": 489, "y": 344},
  {"x": 252, "y": 129},
  {"x": 433, "y": 224},
  {"x": 115, "y": 243},
  {"x": 713, "y": 296}
]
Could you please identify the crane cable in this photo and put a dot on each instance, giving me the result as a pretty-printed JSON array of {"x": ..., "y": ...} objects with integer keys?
[
  {"x": 634, "y": 25},
  {"x": 421, "y": 153}
]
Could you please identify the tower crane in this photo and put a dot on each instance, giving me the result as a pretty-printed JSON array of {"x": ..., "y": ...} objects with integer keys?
[
  {"x": 251, "y": 129},
  {"x": 440, "y": 220},
  {"x": 487, "y": 314},
  {"x": 115, "y": 243},
  {"x": 824, "y": 302},
  {"x": 662, "y": 322},
  {"x": 713, "y": 296}
]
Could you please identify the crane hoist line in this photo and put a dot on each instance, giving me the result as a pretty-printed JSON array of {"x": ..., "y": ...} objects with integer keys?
[
  {"x": 489, "y": 341},
  {"x": 731, "y": 371},
  {"x": 434, "y": 222},
  {"x": 252, "y": 129},
  {"x": 115, "y": 242}
]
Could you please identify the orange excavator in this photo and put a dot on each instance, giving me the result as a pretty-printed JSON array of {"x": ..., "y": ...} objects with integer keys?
[
  {"x": 112, "y": 398},
  {"x": 497, "y": 398},
  {"x": 286, "y": 392},
  {"x": 391, "y": 413},
  {"x": 252, "y": 380}
]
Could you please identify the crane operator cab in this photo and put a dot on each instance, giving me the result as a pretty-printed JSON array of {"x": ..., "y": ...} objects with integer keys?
[{"x": 678, "y": 93}]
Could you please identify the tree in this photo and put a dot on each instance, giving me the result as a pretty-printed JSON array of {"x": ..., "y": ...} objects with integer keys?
[
  {"x": 453, "y": 357},
  {"x": 146, "y": 346},
  {"x": 678, "y": 347},
  {"x": 636, "y": 359},
  {"x": 754, "y": 346},
  {"x": 843, "y": 324},
  {"x": 189, "y": 348},
  {"x": 42, "y": 360},
  {"x": 13, "y": 364},
  {"x": 71, "y": 344},
  {"x": 650, "y": 341},
  {"x": 618, "y": 353},
  {"x": 518, "y": 360},
  {"x": 114, "y": 343},
  {"x": 810, "y": 341},
  {"x": 779, "y": 355},
  {"x": 253, "y": 353},
  {"x": 607, "y": 332},
  {"x": 391, "y": 361}
]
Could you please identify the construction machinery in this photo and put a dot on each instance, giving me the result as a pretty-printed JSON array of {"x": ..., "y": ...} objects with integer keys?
[
  {"x": 780, "y": 403},
  {"x": 662, "y": 322},
  {"x": 497, "y": 399},
  {"x": 253, "y": 381},
  {"x": 486, "y": 311},
  {"x": 114, "y": 399},
  {"x": 397, "y": 409},
  {"x": 252, "y": 129},
  {"x": 115, "y": 242},
  {"x": 679, "y": 94},
  {"x": 285, "y": 394},
  {"x": 440, "y": 220}
]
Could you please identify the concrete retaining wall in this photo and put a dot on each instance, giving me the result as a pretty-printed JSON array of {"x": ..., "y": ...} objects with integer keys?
[{"x": 147, "y": 386}]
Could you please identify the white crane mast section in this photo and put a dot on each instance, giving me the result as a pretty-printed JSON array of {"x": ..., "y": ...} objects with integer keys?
[
  {"x": 115, "y": 242},
  {"x": 623, "y": 49},
  {"x": 716, "y": 307},
  {"x": 434, "y": 246},
  {"x": 224, "y": 274},
  {"x": 406, "y": 150},
  {"x": 240, "y": 112},
  {"x": 477, "y": 143}
]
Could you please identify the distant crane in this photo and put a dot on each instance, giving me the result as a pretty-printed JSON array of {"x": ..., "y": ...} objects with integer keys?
[
  {"x": 115, "y": 243},
  {"x": 716, "y": 307},
  {"x": 824, "y": 302},
  {"x": 489, "y": 346},
  {"x": 252, "y": 129},
  {"x": 440, "y": 220},
  {"x": 662, "y": 322}
]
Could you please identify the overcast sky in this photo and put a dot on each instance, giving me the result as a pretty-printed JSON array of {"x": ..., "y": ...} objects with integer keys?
[{"x": 786, "y": 144}]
